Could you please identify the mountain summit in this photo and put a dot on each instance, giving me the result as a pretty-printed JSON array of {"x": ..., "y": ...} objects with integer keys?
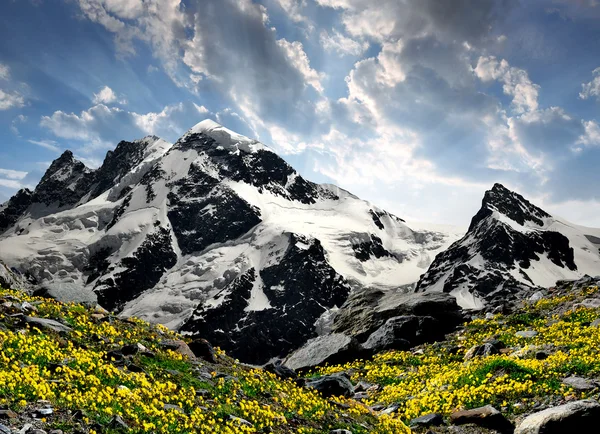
[
  {"x": 512, "y": 246},
  {"x": 215, "y": 235}
]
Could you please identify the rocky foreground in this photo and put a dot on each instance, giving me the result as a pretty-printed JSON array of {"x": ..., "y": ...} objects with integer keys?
[{"x": 76, "y": 369}]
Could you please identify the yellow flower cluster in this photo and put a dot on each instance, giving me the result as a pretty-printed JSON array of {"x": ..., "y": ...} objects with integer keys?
[
  {"x": 167, "y": 395},
  {"x": 438, "y": 379}
]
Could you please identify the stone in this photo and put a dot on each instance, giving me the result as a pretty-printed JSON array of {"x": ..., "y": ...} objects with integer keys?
[
  {"x": 595, "y": 323},
  {"x": 366, "y": 311},
  {"x": 432, "y": 419},
  {"x": 332, "y": 385},
  {"x": 487, "y": 417},
  {"x": 484, "y": 350},
  {"x": 589, "y": 303},
  {"x": 574, "y": 417},
  {"x": 537, "y": 296},
  {"x": 239, "y": 420},
  {"x": 45, "y": 411},
  {"x": 363, "y": 386},
  {"x": 118, "y": 423},
  {"x": 404, "y": 332},
  {"x": 202, "y": 349},
  {"x": 278, "y": 368},
  {"x": 46, "y": 323},
  {"x": 8, "y": 414},
  {"x": 4, "y": 429},
  {"x": 526, "y": 334},
  {"x": 580, "y": 383},
  {"x": 392, "y": 408},
  {"x": 173, "y": 407},
  {"x": 178, "y": 346},
  {"x": 340, "y": 431},
  {"x": 335, "y": 348}
]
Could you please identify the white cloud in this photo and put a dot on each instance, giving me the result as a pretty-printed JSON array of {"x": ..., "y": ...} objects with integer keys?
[
  {"x": 516, "y": 82},
  {"x": 107, "y": 96},
  {"x": 342, "y": 44},
  {"x": 293, "y": 8},
  {"x": 591, "y": 135},
  {"x": 10, "y": 183},
  {"x": 14, "y": 125},
  {"x": 12, "y": 174},
  {"x": 299, "y": 59},
  {"x": 4, "y": 72},
  {"x": 10, "y": 100},
  {"x": 48, "y": 144},
  {"x": 591, "y": 89}
]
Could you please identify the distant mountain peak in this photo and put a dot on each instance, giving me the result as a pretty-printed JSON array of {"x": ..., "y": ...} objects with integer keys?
[{"x": 510, "y": 204}]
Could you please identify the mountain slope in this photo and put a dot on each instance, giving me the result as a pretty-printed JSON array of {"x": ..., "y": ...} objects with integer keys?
[
  {"x": 216, "y": 235},
  {"x": 512, "y": 246}
]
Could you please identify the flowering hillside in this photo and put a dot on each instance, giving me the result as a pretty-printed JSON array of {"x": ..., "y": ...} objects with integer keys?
[{"x": 78, "y": 369}]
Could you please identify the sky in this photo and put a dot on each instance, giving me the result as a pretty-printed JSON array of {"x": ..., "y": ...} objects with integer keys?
[{"x": 418, "y": 106}]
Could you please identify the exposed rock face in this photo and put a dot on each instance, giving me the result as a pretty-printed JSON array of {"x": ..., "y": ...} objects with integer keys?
[
  {"x": 329, "y": 349},
  {"x": 64, "y": 184},
  {"x": 487, "y": 417},
  {"x": 511, "y": 247},
  {"x": 367, "y": 311},
  {"x": 253, "y": 334},
  {"x": 573, "y": 417},
  {"x": 14, "y": 208},
  {"x": 403, "y": 332},
  {"x": 140, "y": 272},
  {"x": 332, "y": 385}
]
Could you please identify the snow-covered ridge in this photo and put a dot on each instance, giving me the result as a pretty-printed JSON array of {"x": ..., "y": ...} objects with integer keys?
[
  {"x": 512, "y": 246},
  {"x": 213, "y": 234},
  {"x": 225, "y": 137}
]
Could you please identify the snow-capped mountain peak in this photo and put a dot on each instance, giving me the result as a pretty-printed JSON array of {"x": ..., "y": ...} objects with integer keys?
[
  {"x": 218, "y": 235},
  {"x": 225, "y": 138},
  {"x": 512, "y": 206},
  {"x": 512, "y": 246}
]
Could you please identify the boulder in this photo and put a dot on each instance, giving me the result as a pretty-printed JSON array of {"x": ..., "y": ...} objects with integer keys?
[
  {"x": 366, "y": 311},
  {"x": 487, "y": 417},
  {"x": 335, "y": 348},
  {"x": 178, "y": 346},
  {"x": 202, "y": 349},
  {"x": 403, "y": 332},
  {"x": 484, "y": 350},
  {"x": 278, "y": 368},
  {"x": 432, "y": 419},
  {"x": 45, "y": 323},
  {"x": 332, "y": 385},
  {"x": 573, "y": 417},
  {"x": 580, "y": 383}
]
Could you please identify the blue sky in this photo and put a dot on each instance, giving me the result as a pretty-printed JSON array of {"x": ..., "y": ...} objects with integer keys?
[{"x": 418, "y": 106}]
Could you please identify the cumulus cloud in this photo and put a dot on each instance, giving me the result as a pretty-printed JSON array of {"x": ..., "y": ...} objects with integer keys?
[
  {"x": 516, "y": 82},
  {"x": 107, "y": 96},
  {"x": 10, "y": 100},
  {"x": 591, "y": 89},
  {"x": 294, "y": 51},
  {"x": 343, "y": 45},
  {"x": 461, "y": 20}
]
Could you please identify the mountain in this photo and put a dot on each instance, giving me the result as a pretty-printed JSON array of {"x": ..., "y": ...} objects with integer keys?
[
  {"x": 512, "y": 246},
  {"x": 215, "y": 235}
]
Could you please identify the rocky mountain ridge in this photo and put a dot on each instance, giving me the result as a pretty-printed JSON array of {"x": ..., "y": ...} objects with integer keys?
[
  {"x": 215, "y": 235},
  {"x": 510, "y": 248}
]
